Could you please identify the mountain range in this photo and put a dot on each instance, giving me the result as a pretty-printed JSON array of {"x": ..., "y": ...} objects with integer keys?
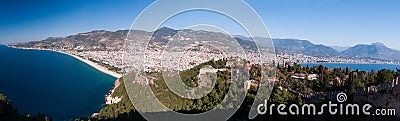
[
  {"x": 304, "y": 47},
  {"x": 107, "y": 40},
  {"x": 340, "y": 48},
  {"x": 373, "y": 51}
]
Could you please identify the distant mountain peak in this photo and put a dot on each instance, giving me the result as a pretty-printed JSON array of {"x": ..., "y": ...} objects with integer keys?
[
  {"x": 166, "y": 29},
  {"x": 378, "y": 44},
  {"x": 375, "y": 51},
  {"x": 52, "y": 38},
  {"x": 304, "y": 47},
  {"x": 242, "y": 37}
]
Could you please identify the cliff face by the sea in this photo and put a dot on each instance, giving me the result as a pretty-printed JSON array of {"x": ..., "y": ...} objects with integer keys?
[{"x": 109, "y": 98}]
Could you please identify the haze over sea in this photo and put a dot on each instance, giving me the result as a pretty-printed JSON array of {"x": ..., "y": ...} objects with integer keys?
[{"x": 52, "y": 83}]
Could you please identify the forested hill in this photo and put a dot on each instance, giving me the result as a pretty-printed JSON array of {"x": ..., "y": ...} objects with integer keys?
[{"x": 286, "y": 91}]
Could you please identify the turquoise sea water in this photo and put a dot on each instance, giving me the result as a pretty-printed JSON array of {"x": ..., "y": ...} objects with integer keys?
[
  {"x": 52, "y": 83},
  {"x": 361, "y": 67}
]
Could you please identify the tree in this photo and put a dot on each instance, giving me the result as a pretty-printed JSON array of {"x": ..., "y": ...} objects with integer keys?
[{"x": 385, "y": 75}]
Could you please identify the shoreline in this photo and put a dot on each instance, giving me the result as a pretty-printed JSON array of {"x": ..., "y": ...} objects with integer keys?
[
  {"x": 94, "y": 65},
  {"x": 86, "y": 61},
  {"x": 352, "y": 63}
]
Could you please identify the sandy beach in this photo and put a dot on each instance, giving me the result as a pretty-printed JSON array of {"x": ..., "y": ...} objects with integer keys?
[
  {"x": 90, "y": 63},
  {"x": 95, "y": 65}
]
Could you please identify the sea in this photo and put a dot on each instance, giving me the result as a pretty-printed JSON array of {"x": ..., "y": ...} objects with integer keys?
[
  {"x": 52, "y": 83},
  {"x": 360, "y": 67}
]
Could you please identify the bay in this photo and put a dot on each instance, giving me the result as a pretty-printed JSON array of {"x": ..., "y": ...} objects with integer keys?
[
  {"x": 52, "y": 83},
  {"x": 360, "y": 67}
]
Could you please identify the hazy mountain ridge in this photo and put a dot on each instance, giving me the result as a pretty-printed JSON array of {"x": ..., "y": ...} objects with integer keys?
[
  {"x": 340, "y": 48},
  {"x": 377, "y": 51},
  {"x": 94, "y": 40},
  {"x": 374, "y": 51},
  {"x": 304, "y": 47},
  {"x": 113, "y": 41}
]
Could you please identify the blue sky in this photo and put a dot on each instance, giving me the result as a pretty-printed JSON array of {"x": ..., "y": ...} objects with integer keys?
[{"x": 328, "y": 22}]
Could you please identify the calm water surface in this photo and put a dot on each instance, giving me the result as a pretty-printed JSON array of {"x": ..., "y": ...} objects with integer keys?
[
  {"x": 52, "y": 83},
  {"x": 361, "y": 67}
]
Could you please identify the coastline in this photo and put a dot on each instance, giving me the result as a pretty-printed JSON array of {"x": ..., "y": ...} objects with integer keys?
[
  {"x": 351, "y": 63},
  {"x": 86, "y": 61},
  {"x": 94, "y": 65}
]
